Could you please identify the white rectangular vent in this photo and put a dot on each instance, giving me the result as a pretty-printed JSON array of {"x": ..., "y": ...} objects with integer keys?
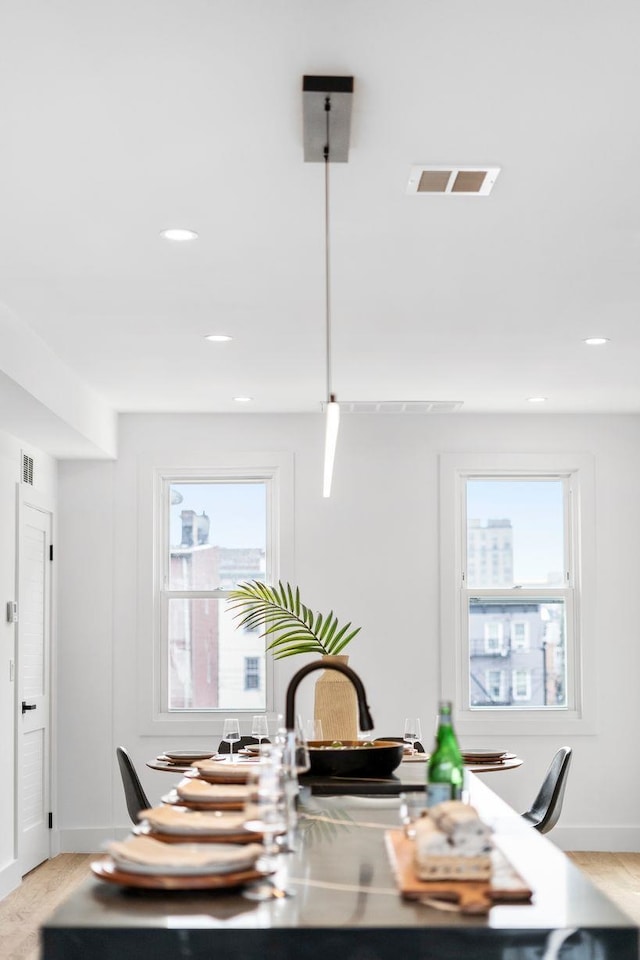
[
  {"x": 27, "y": 469},
  {"x": 399, "y": 406},
  {"x": 450, "y": 180}
]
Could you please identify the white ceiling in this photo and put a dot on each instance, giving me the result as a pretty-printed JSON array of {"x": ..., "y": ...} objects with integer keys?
[{"x": 119, "y": 118}]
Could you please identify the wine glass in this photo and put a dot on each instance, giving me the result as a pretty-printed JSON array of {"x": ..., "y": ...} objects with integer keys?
[
  {"x": 412, "y": 732},
  {"x": 312, "y": 729},
  {"x": 231, "y": 734},
  {"x": 259, "y": 729},
  {"x": 266, "y": 813}
]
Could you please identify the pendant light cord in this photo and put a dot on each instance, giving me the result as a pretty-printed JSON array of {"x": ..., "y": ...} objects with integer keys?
[{"x": 327, "y": 271}]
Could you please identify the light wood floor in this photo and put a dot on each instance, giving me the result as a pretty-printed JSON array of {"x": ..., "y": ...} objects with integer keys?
[
  {"x": 22, "y": 912},
  {"x": 617, "y": 875}
]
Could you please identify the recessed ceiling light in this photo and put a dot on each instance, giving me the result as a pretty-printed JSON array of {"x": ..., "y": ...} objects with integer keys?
[
  {"x": 243, "y": 399},
  {"x": 536, "y": 399},
  {"x": 596, "y": 341},
  {"x": 218, "y": 337},
  {"x": 179, "y": 234}
]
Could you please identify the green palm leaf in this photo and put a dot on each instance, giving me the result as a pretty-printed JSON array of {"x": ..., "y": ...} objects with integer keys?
[{"x": 290, "y": 625}]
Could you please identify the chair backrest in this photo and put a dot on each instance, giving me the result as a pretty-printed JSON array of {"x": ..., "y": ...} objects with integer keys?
[
  {"x": 134, "y": 794},
  {"x": 223, "y": 746},
  {"x": 546, "y": 808},
  {"x": 419, "y": 747}
]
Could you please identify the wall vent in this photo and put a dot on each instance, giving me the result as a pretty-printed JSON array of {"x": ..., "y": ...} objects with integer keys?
[
  {"x": 399, "y": 406},
  {"x": 462, "y": 181},
  {"x": 27, "y": 469}
]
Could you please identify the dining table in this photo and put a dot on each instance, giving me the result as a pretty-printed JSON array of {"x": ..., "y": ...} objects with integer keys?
[
  {"x": 410, "y": 775},
  {"x": 340, "y": 892}
]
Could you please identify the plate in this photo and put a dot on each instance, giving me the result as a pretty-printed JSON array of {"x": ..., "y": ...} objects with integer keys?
[
  {"x": 213, "y": 771},
  {"x": 199, "y": 790},
  {"x": 174, "y": 799},
  {"x": 183, "y": 824},
  {"x": 484, "y": 755},
  {"x": 147, "y": 830},
  {"x": 415, "y": 758},
  {"x": 220, "y": 859},
  {"x": 107, "y": 870},
  {"x": 187, "y": 756}
]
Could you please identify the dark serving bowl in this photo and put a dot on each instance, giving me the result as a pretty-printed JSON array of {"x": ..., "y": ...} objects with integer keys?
[{"x": 354, "y": 759}]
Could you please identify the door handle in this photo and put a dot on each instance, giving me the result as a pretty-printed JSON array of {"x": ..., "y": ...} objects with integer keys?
[{"x": 28, "y": 706}]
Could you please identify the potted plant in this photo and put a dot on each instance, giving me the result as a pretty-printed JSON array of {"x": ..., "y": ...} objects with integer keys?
[{"x": 291, "y": 627}]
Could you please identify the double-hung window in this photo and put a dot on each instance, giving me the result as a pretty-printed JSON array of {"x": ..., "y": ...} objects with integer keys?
[
  {"x": 212, "y": 529},
  {"x": 215, "y": 537},
  {"x": 516, "y": 556}
]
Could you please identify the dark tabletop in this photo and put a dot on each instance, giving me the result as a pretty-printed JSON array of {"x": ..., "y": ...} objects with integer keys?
[{"x": 346, "y": 904}]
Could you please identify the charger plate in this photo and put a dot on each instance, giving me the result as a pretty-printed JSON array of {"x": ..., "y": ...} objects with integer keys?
[{"x": 106, "y": 870}]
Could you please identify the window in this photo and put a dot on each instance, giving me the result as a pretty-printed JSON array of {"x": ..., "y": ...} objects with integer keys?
[
  {"x": 519, "y": 635},
  {"x": 521, "y": 685},
  {"x": 495, "y": 684},
  {"x": 252, "y": 673},
  {"x": 210, "y": 529},
  {"x": 493, "y": 633},
  {"x": 217, "y": 537},
  {"x": 517, "y": 551}
]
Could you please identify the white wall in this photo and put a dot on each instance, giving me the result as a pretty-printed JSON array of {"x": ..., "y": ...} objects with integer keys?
[
  {"x": 371, "y": 554},
  {"x": 11, "y": 450}
]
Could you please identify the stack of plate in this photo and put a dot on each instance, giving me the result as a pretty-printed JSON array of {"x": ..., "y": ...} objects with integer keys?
[
  {"x": 214, "y": 771},
  {"x": 145, "y": 862},
  {"x": 484, "y": 756},
  {"x": 183, "y": 758},
  {"x": 174, "y": 824},
  {"x": 201, "y": 795}
]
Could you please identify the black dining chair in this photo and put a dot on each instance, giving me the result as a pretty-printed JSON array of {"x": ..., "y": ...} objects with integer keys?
[
  {"x": 134, "y": 794},
  {"x": 419, "y": 747},
  {"x": 545, "y": 810},
  {"x": 223, "y": 746}
]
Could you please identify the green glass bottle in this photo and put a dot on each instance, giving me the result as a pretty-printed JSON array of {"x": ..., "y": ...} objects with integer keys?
[{"x": 445, "y": 770}]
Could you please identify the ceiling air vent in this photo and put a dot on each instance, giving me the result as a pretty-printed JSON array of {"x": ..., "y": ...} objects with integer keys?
[
  {"x": 463, "y": 181},
  {"x": 400, "y": 406},
  {"x": 27, "y": 469}
]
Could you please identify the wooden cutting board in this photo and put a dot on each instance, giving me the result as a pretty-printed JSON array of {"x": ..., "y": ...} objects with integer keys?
[{"x": 471, "y": 896}]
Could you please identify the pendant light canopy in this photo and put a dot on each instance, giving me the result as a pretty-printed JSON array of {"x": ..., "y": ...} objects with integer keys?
[{"x": 327, "y": 119}]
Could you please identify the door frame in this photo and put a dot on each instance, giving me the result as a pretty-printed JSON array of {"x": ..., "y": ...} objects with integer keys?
[{"x": 28, "y": 496}]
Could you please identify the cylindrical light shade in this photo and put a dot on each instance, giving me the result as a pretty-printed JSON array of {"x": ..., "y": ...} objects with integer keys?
[{"x": 330, "y": 441}]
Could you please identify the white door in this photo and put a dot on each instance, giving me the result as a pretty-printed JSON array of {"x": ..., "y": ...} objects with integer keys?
[{"x": 33, "y": 665}]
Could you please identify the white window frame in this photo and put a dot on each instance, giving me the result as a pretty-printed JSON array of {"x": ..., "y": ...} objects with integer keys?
[
  {"x": 579, "y": 716},
  {"x": 275, "y": 468}
]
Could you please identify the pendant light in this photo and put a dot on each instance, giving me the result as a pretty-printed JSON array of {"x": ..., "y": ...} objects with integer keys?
[
  {"x": 332, "y": 95},
  {"x": 332, "y": 411}
]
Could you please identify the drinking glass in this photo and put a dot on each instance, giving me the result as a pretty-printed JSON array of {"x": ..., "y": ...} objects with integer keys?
[
  {"x": 266, "y": 813},
  {"x": 312, "y": 729},
  {"x": 412, "y": 732},
  {"x": 231, "y": 734},
  {"x": 259, "y": 728},
  {"x": 413, "y": 805}
]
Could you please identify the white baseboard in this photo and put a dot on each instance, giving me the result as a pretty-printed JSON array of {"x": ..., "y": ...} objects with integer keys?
[
  {"x": 610, "y": 839},
  {"x": 10, "y": 879},
  {"x": 89, "y": 840}
]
